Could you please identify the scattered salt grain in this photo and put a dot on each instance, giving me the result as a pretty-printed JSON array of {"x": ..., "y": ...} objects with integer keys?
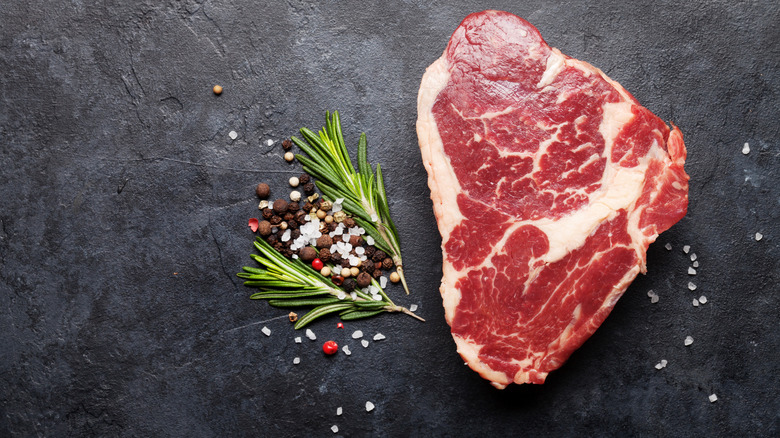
[
  {"x": 295, "y": 256},
  {"x": 668, "y": 246},
  {"x": 359, "y": 250},
  {"x": 713, "y": 398},
  {"x": 695, "y": 302},
  {"x": 746, "y": 149},
  {"x": 269, "y": 142},
  {"x": 353, "y": 295},
  {"x": 759, "y": 236},
  {"x": 336, "y": 270},
  {"x": 334, "y": 428},
  {"x": 379, "y": 337},
  {"x": 298, "y": 340},
  {"x": 266, "y": 331},
  {"x": 686, "y": 248},
  {"x": 369, "y": 406},
  {"x": 693, "y": 257},
  {"x": 341, "y": 295},
  {"x": 688, "y": 341},
  {"x": 661, "y": 364},
  {"x": 286, "y": 235},
  {"x": 369, "y": 240},
  {"x": 696, "y": 264},
  {"x": 357, "y": 334},
  {"x": 413, "y": 307},
  {"x": 296, "y": 361},
  {"x": 233, "y": 135},
  {"x": 653, "y": 296},
  {"x": 339, "y": 410},
  {"x": 364, "y": 343},
  {"x": 346, "y": 350},
  {"x": 703, "y": 299},
  {"x": 691, "y": 286},
  {"x": 691, "y": 271},
  {"x": 310, "y": 334},
  {"x": 374, "y": 217},
  {"x": 383, "y": 282}
]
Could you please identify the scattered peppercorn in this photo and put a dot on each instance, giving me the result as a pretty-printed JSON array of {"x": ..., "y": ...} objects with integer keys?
[
  {"x": 317, "y": 264},
  {"x": 332, "y": 226},
  {"x": 330, "y": 347},
  {"x": 300, "y": 217},
  {"x": 354, "y": 271},
  {"x": 387, "y": 263},
  {"x": 325, "y": 271},
  {"x": 263, "y": 190},
  {"x": 308, "y": 188},
  {"x": 307, "y": 254},
  {"x": 345, "y": 263},
  {"x": 267, "y": 213},
  {"x": 279, "y": 246},
  {"x": 292, "y": 224},
  {"x": 307, "y": 206},
  {"x": 293, "y": 316},
  {"x": 288, "y": 156},
  {"x": 368, "y": 267},
  {"x": 378, "y": 256},
  {"x": 296, "y": 233},
  {"x": 275, "y": 220},
  {"x": 349, "y": 222},
  {"x": 264, "y": 227},
  {"x": 338, "y": 280},
  {"x": 304, "y": 179},
  {"x": 377, "y": 265},
  {"x": 286, "y": 144},
  {"x": 328, "y": 219},
  {"x": 355, "y": 241},
  {"x": 325, "y": 255},
  {"x": 363, "y": 279},
  {"x": 370, "y": 250},
  {"x": 295, "y": 196},
  {"x": 217, "y": 89},
  {"x": 272, "y": 239},
  {"x": 292, "y": 207},
  {"x": 349, "y": 285},
  {"x": 335, "y": 258},
  {"x": 376, "y": 274},
  {"x": 280, "y": 206},
  {"x": 294, "y": 181},
  {"x": 288, "y": 216}
]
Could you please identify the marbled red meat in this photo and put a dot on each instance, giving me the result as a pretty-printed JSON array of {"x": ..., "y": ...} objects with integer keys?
[{"x": 549, "y": 181}]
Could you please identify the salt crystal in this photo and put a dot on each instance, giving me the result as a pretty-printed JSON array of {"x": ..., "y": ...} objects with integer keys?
[
  {"x": 295, "y": 256},
  {"x": 334, "y": 428},
  {"x": 696, "y": 264},
  {"x": 691, "y": 271},
  {"x": 338, "y": 410},
  {"x": 369, "y": 240},
  {"x": 661, "y": 364},
  {"x": 372, "y": 289},
  {"x": 668, "y": 246},
  {"x": 693, "y": 257},
  {"x": 336, "y": 270},
  {"x": 310, "y": 334},
  {"x": 298, "y": 340},
  {"x": 374, "y": 217},
  {"x": 376, "y": 297},
  {"x": 286, "y": 235},
  {"x": 746, "y": 149},
  {"x": 360, "y": 250},
  {"x": 695, "y": 302},
  {"x": 383, "y": 282},
  {"x": 266, "y": 331},
  {"x": 688, "y": 341},
  {"x": 363, "y": 258},
  {"x": 759, "y": 236},
  {"x": 379, "y": 337},
  {"x": 369, "y": 406},
  {"x": 686, "y": 248},
  {"x": 703, "y": 299},
  {"x": 353, "y": 261},
  {"x": 341, "y": 295},
  {"x": 691, "y": 286},
  {"x": 364, "y": 343},
  {"x": 361, "y": 231},
  {"x": 653, "y": 296},
  {"x": 413, "y": 307},
  {"x": 346, "y": 350},
  {"x": 713, "y": 398},
  {"x": 357, "y": 334},
  {"x": 269, "y": 142},
  {"x": 353, "y": 295},
  {"x": 274, "y": 230},
  {"x": 233, "y": 135},
  {"x": 296, "y": 361}
]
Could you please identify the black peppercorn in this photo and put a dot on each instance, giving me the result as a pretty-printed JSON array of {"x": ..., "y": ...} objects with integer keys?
[
  {"x": 307, "y": 206},
  {"x": 267, "y": 213},
  {"x": 345, "y": 263},
  {"x": 275, "y": 220},
  {"x": 349, "y": 285},
  {"x": 292, "y": 207},
  {"x": 332, "y": 226},
  {"x": 304, "y": 179},
  {"x": 325, "y": 255},
  {"x": 295, "y": 233},
  {"x": 368, "y": 267},
  {"x": 292, "y": 224},
  {"x": 308, "y": 188},
  {"x": 300, "y": 217},
  {"x": 272, "y": 239},
  {"x": 370, "y": 250},
  {"x": 378, "y": 256},
  {"x": 288, "y": 216},
  {"x": 377, "y": 273},
  {"x": 335, "y": 258},
  {"x": 279, "y": 246},
  {"x": 287, "y": 144}
]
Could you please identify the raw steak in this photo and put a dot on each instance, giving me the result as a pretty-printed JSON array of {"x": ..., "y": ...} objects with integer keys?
[{"x": 549, "y": 181}]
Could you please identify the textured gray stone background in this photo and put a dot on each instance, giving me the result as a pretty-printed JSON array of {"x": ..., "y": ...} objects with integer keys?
[{"x": 124, "y": 206}]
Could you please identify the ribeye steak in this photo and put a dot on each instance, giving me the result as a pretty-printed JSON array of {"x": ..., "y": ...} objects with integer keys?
[{"x": 549, "y": 181}]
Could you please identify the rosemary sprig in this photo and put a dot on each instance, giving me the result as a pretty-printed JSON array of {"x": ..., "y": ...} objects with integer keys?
[
  {"x": 292, "y": 283},
  {"x": 363, "y": 191}
]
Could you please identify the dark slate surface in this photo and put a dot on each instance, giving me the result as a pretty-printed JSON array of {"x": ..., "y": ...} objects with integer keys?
[{"x": 124, "y": 209}]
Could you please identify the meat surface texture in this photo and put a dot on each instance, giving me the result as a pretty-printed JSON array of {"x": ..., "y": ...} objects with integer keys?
[{"x": 549, "y": 181}]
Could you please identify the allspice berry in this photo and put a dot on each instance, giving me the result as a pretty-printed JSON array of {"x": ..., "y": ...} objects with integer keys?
[
  {"x": 280, "y": 206},
  {"x": 264, "y": 227},
  {"x": 355, "y": 241},
  {"x": 363, "y": 279},
  {"x": 307, "y": 254},
  {"x": 324, "y": 241},
  {"x": 263, "y": 190}
]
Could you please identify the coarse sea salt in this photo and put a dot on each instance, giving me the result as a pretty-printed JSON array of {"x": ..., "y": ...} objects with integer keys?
[
  {"x": 703, "y": 299},
  {"x": 379, "y": 337},
  {"x": 341, "y": 295},
  {"x": 413, "y": 307},
  {"x": 269, "y": 142},
  {"x": 334, "y": 428},
  {"x": 297, "y": 339},
  {"x": 266, "y": 331},
  {"x": 310, "y": 334},
  {"x": 286, "y": 235},
  {"x": 364, "y": 343},
  {"x": 695, "y": 302},
  {"x": 691, "y": 285},
  {"x": 696, "y": 264},
  {"x": 688, "y": 341},
  {"x": 653, "y": 296},
  {"x": 691, "y": 271},
  {"x": 346, "y": 350},
  {"x": 693, "y": 257},
  {"x": 686, "y": 248},
  {"x": 713, "y": 398},
  {"x": 339, "y": 410},
  {"x": 661, "y": 364},
  {"x": 357, "y": 334},
  {"x": 296, "y": 361},
  {"x": 369, "y": 240},
  {"x": 759, "y": 236},
  {"x": 668, "y": 246},
  {"x": 353, "y": 295},
  {"x": 369, "y": 406},
  {"x": 383, "y": 282},
  {"x": 233, "y": 135},
  {"x": 746, "y": 149}
]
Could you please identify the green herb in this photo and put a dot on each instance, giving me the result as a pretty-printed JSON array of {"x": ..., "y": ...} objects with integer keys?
[
  {"x": 292, "y": 283},
  {"x": 363, "y": 191}
]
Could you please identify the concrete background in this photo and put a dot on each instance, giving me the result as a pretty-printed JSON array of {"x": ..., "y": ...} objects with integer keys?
[{"x": 124, "y": 203}]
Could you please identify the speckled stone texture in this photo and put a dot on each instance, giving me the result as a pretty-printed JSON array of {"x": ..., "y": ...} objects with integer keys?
[{"x": 125, "y": 204}]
